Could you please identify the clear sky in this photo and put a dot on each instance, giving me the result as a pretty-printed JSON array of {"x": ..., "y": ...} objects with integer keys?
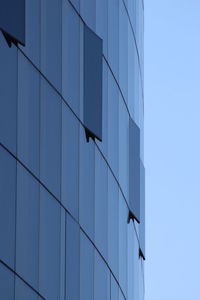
[{"x": 172, "y": 149}]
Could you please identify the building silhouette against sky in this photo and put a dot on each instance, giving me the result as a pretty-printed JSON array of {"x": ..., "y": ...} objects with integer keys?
[{"x": 72, "y": 203}]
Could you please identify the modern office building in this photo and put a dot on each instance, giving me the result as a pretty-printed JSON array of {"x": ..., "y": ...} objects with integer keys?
[{"x": 72, "y": 215}]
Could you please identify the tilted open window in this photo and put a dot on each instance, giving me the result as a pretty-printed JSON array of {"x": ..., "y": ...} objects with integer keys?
[
  {"x": 12, "y": 21},
  {"x": 134, "y": 171},
  {"x": 93, "y": 47}
]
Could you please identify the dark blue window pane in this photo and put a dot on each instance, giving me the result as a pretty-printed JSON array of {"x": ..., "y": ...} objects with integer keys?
[
  {"x": 49, "y": 243},
  {"x": 72, "y": 259},
  {"x": 86, "y": 269},
  {"x": 6, "y": 283},
  {"x": 134, "y": 169},
  {"x": 50, "y": 138},
  {"x": 28, "y": 114},
  {"x": 142, "y": 209},
  {"x": 23, "y": 291},
  {"x": 93, "y": 83},
  {"x": 27, "y": 231},
  {"x": 86, "y": 184},
  {"x": 33, "y": 39},
  {"x": 8, "y": 95},
  {"x": 12, "y": 19},
  {"x": 101, "y": 279},
  {"x": 70, "y": 161},
  {"x": 51, "y": 41},
  {"x": 7, "y": 207}
]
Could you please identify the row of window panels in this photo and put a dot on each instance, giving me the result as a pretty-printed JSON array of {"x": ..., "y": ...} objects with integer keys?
[
  {"x": 46, "y": 127},
  {"x": 67, "y": 34},
  {"x": 32, "y": 231},
  {"x": 110, "y": 17},
  {"x": 118, "y": 42}
]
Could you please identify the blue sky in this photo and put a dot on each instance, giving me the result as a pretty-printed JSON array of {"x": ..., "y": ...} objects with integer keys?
[{"x": 172, "y": 149}]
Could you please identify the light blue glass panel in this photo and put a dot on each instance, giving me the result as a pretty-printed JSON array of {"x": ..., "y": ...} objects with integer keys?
[
  {"x": 23, "y": 291},
  {"x": 88, "y": 12},
  {"x": 27, "y": 228},
  {"x": 113, "y": 225},
  {"x": 70, "y": 161},
  {"x": 32, "y": 21},
  {"x": 71, "y": 56},
  {"x": 101, "y": 279},
  {"x": 123, "y": 148},
  {"x": 6, "y": 283},
  {"x": 49, "y": 243},
  {"x": 113, "y": 36},
  {"x": 123, "y": 226},
  {"x": 76, "y": 4},
  {"x": 7, "y": 207},
  {"x": 50, "y": 138},
  {"x": 51, "y": 41},
  {"x": 114, "y": 289},
  {"x": 123, "y": 50},
  {"x": 86, "y": 184},
  {"x": 28, "y": 114},
  {"x": 103, "y": 145},
  {"x": 8, "y": 95},
  {"x": 102, "y": 23},
  {"x": 113, "y": 125},
  {"x": 72, "y": 259},
  {"x": 86, "y": 269},
  {"x": 101, "y": 204}
]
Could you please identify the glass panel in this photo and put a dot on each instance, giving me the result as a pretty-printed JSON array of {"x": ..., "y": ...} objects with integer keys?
[
  {"x": 113, "y": 125},
  {"x": 51, "y": 41},
  {"x": 23, "y": 291},
  {"x": 123, "y": 147},
  {"x": 93, "y": 83},
  {"x": 142, "y": 210},
  {"x": 7, "y": 207},
  {"x": 134, "y": 169},
  {"x": 72, "y": 259},
  {"x": 8, "y": 95},
  {"x": 103, "y": 145},
  {"x": 101, "y": 204},
  {"x": 12, "y": 19},
  {"x": 102, "y": 23},
  {"x": 101, "y": 279},
  {"x": 114, "y": 289},
  {"x": 123, "y": 217},
  {"x": 33, "y": 14},
  {"x": 49, "y": 243},
  {"x": 6, "y": 283},
  {"x": 88, "y": 12},
  {"x": 50, "y": 138},
  {"x": 113, "y": 225},
  {"x": 86, "y": 184},
  {"x": 62, "y": 253},
  {"x": 71, "y": 57},
  {"x": 76, "y": 4},
  {"x": 86, "y": 269},
  {"x": 70, "y": 161},
  {"x": 113, "y": 36},
  {"x": 123, "y": 50},
  {"x": 28, "y": 114},
  {"x": 27, "y": 231}
]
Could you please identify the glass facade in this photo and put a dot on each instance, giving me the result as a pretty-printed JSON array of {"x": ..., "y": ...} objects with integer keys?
[{"x": 68, "y": 229}]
